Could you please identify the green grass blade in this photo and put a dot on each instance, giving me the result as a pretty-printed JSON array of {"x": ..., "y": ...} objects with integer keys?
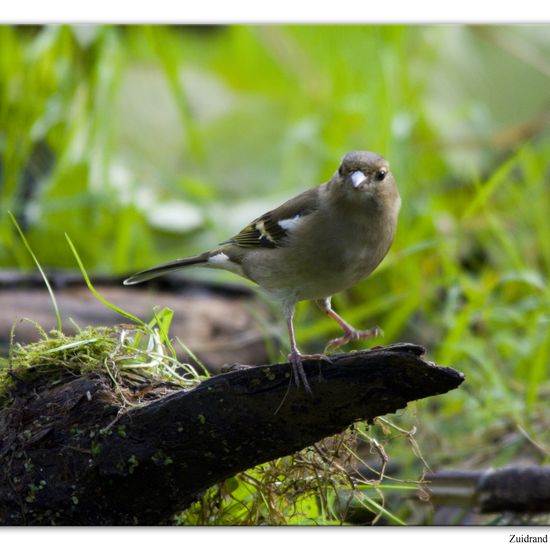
[
  {"x": 194, "y": 357},
  {"x": 163, "y": 320},
  {"x": 383, "y": 511},
  {"x": 37, "y": 263},
  {"x": 71, "y": 345},
  {"x": 96, "y": 293}
]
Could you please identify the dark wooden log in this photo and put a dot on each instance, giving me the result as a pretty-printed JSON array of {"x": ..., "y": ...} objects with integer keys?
[
  {"x": 70, "y": 456},
  {"x": 516, "y": 488}
]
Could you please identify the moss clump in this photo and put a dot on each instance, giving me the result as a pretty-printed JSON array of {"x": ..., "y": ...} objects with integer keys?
[{"x": 127, "y": 356}]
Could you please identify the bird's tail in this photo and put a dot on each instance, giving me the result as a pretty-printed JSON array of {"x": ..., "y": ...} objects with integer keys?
[{"x": 168, "y": 267}]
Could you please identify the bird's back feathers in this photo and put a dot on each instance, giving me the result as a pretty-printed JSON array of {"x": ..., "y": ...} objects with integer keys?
[{"x": 271, "y": 229}]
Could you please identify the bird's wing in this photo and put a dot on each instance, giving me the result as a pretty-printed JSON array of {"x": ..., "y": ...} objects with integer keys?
[{"x": 272, "y": 229}]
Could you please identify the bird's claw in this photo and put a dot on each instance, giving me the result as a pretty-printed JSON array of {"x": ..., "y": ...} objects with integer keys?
[
  {"x": 295, "y": 359},
  {"x": 352, "y": 336}
]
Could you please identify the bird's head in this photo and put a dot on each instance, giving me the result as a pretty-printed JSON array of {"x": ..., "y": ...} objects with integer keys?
[{"x": 364, "y": 172}]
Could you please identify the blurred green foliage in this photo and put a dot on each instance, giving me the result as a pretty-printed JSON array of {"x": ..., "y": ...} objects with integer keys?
[{"x": 146, "y": 143}]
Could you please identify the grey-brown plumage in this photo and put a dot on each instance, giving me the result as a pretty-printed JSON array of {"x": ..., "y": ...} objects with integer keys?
[{"x": 321, "y": 242}]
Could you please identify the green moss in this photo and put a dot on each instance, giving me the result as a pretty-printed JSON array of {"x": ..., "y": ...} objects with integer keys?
[
  {"x": 160, "y": 457},
  {"x": 125, "y": 358},
  {"x": 95, "y": 449},
  {"x": 121, "y": 431},
  {"x": 133, "y": 463}
]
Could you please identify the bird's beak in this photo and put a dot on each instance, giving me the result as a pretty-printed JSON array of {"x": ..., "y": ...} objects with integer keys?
[{"x": 357, "y": 178}]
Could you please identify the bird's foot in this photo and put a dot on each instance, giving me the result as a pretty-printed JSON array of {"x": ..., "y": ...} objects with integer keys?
[
  {"x": 296, "y": 358},
  {"x": 352, "y": 336}
]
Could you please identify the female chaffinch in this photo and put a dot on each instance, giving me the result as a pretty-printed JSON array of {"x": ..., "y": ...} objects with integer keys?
[{"x": 316, "y": 244}]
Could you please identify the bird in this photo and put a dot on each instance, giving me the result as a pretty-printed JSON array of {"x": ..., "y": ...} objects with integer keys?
[{"x": 321, "y": 242}]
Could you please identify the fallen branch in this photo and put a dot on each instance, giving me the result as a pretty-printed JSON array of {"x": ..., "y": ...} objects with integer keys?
[
  {"x": 519, "y": 488},
  {"x": 69, "y": 455}
]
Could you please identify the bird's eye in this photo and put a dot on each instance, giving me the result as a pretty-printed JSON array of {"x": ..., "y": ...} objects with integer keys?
[{"x": 381, "y": 174}]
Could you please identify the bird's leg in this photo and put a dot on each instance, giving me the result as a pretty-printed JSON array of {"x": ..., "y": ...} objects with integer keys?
[
  {"x": 350, "y": 334},
  {"x": 295, "y": 357}
]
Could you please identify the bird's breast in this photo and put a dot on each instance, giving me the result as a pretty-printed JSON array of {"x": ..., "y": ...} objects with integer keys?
[{"x": 325, "y": 259}]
